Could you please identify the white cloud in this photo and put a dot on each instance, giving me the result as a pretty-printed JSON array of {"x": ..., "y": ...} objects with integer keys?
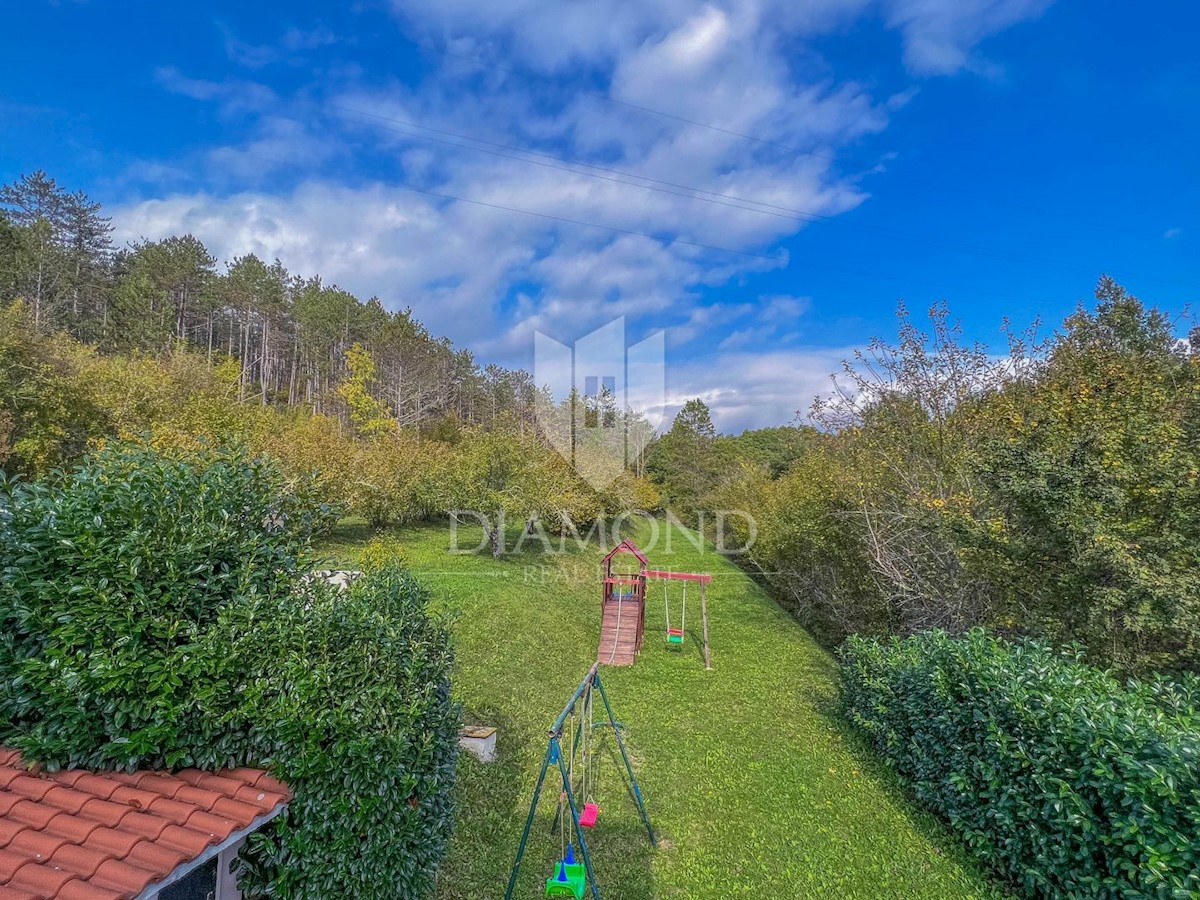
[
  {"x": 280, "y": 142},
  {"x": 1172, "y": 233},
  {"x": 233, "y": 95},
  {"x": 292, "y": 185},
  {"x": 755, "y": 389},
  {"x": 290, "y": 47},
  {"x": 297, "y": 39},
  {"x": 940, "y": 36},
  {"x": 774, "y": 323}
]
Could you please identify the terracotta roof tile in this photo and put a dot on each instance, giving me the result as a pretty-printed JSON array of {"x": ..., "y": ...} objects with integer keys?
[
  {"x": 96, "y": 785},
  {"x": 198, "y": 797},
  {"x": 208, "y": 781},
  {"x": 164, "y": 786},
  {"x": 238, "y": 810},
  {"x": 172, "y": 810},
  {"x": 143, "y": 825},
  {"x": 121, "y": 876},
  {"x": 28, "y": 786},
  {"x": 156, "y": 857},
  {"x": 9, "y": 830},
  {"x": 272, "y": 785},
  {"x": 104, "y": 812},
  {"x": 117, "y": 844},
  {"x": 193, "y": 843},
  {"x": 30, "y": 813},
  {"x": 217, "y": 826},
  {"x": 9, "y": 863},
  {"x": 36, "y": 845},
  {"x": 72, "y": 827},
  {"x": 42, "y": 880},
  {"x": 135, "y": 797},
  {"x": 244, "y": 775},
  {"x": 83, "y": 861},
  {"x": 67, "y": 799},
  {"x": 77, "y": 835},
  {"x": 82, "y": 890}
]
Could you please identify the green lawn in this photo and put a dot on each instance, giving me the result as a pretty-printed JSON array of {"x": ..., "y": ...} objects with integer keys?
[{"x": 754, "y": 783}]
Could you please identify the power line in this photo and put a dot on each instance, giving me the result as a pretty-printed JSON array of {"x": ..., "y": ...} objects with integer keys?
[
  {"x": 601, "y": 95},
  {"x": 569, "y": 221},
  {"x": 691, "y": 192},
  {"x": 527, "y": 212},
  {"x": 847, "y": 270},
  {"x": 827, "y": 266},
  {"x": 864, "y": 273}
]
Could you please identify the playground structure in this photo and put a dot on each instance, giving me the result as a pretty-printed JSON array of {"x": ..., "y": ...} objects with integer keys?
[
  {"x": 623, "y": 606},
  {"x": 577, "y": 722}
]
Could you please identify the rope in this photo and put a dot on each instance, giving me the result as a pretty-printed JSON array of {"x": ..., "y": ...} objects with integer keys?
[
  {"x": 587, "y": 746},
  {"x": 667, "y": 603},
  {"x": 616, "y": 634},
  {"x": 563, "y": 811},
  {"x": 683, "y": 616}
]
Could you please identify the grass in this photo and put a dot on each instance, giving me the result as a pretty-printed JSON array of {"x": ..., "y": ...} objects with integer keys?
[{"x": 755, "y": 785}]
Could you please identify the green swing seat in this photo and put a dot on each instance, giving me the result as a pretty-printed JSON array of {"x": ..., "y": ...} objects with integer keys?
[{"x": 569, "y": 881}]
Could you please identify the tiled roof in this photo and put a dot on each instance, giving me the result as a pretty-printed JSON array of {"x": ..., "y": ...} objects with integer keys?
[{"x": 81, "y": 835}]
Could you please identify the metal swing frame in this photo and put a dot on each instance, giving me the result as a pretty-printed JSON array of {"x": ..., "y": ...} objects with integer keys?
[{"x": 554, "y": 756}]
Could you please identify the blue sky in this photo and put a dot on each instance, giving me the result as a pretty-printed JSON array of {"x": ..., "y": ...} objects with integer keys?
[{"x": 998, "y": 154}]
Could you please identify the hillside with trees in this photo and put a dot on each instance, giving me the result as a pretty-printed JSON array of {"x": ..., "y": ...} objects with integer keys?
[
  {"x": 1047, "y": 492},
  {"x": 157, "y": 342}
]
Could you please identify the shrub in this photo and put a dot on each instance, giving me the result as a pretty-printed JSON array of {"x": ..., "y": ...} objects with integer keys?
[
  {"x": 1065, "y": 780},
  {"x": 115, "y": 575},
  {"x": 151, "y": 617},
  {"x": 354, "y": 690}
]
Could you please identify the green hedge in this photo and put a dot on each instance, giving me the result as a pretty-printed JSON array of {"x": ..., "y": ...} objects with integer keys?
[
  {"x": 354, "y": 689},
  {"x": 115, "y": 576},
  {"x": 1066, "y": 781},
  {"x": 152, "y": 616}
]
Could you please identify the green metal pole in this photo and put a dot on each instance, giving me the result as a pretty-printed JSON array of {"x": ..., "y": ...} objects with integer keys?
[
  {"x": 552, "y": 750},
  {"x": 637, "y": 791},
  {"x": 556, "y": 728},
  {"x": 583, "y": 848}
]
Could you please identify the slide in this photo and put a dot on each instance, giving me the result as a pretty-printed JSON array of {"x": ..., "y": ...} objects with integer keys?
[{"x": 618, "y": 632}]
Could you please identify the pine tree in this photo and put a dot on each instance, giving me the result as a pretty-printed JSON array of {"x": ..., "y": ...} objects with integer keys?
[{"x": 37, "y": 205}]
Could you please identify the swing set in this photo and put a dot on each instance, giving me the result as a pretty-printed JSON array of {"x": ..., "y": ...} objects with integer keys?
[
  {"x": 576, "y": 726},
  {"x": 623, "y": 606},
  {"x": 675, "y": 635}
]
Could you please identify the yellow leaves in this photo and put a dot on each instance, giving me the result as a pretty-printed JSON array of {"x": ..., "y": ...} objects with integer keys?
[{"x": 370, "y": 417}]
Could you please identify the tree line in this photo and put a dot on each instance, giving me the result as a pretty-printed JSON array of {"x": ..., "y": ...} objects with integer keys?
[
  {"x": 1051, "y": 491},
  {"x": 289, "y": 333},
  {"x": 155, "y": 342}
]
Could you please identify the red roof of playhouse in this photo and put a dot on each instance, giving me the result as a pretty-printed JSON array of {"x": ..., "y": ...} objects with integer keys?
[
  {"x": 627, "y": 546},
  {"x": 81, "y": 835}
]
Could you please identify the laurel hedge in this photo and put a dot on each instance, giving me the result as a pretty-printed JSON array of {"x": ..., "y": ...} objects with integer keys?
[
  {"x": 154, "y": 615},
  {"x": 354, "y": 690},
  {"x": 1065, "y": 780}
]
